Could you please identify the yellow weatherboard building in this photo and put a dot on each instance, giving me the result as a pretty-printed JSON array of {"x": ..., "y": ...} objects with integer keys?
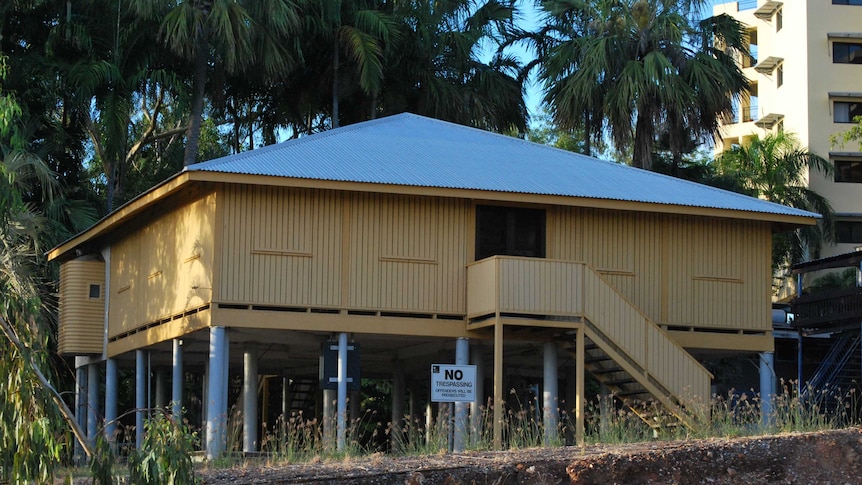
[{"x": 403, "y": 242}]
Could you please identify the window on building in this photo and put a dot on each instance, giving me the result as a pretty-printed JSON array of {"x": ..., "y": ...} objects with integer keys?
[
  {"x": 848, "y": 232},
  {"x": 779, "y": 20},
  {"x": 509, "y": 231},
  {"x": 779, "y": 75},
  {"x": 846, "y": 53},
  {"x": 95, "y": 292},
  {"x": 846, "y": 2},
  {"x": 846, "y": 111},
  {"x": 848, "y": 171}
]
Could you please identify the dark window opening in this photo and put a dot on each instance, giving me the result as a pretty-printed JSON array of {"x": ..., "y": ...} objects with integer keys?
[
  {"x": 846, "y": 2},
  {"x": 848, "y": 232},
  {"x": 779, "y": 76},
  {"x": 846, "y": 53},
  {"x": 509, "y": 231},
  {"x": 849, "y": 171},
  {"x": 779, "y": 20},
  {"x": 846, "y": 111},
  {"x": 95, "y": 292}
]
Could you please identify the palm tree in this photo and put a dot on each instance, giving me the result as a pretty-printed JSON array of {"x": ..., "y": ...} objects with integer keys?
[
  {"x": 640, "y": 66},
  {"x": 223, "y": 34},
  {"x": 775, "y": 168},
  {"x": 437, "y": 71}
]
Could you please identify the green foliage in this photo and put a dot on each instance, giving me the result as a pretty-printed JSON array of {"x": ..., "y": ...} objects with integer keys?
[
  {"x": 165, "y": 454},
  {"x": 102, "y": 463},
  {"x": 639, "y": 69}
]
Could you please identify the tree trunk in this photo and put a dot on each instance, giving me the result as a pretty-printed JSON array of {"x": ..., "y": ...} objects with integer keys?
[
  {"x": 642, "y": 156},
  {"x": 201, "y": 58},
  {"x": 588, "y": 133},
  {"x": 335, "y": 82}
]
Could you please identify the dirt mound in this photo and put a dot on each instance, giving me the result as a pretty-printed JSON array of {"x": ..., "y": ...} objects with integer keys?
[{"x": 801, "y": 458}]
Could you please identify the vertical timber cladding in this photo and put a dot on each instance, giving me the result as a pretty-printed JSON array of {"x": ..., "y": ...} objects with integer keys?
[
  {"x": 715, "y": 271},
  {"x": 82, "y": 307},
  {"x": 281, "y": 247},
  {"x": 624, "y": 247},
  {"x": 408, "y": 253},
  {"x": 163, "y": 268},
  {"x": 405, "y": 253},
  {"x": 720, "y": 273}
]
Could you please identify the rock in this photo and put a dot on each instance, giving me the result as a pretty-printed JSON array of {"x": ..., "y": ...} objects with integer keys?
[{"x": 731, "y": 472}]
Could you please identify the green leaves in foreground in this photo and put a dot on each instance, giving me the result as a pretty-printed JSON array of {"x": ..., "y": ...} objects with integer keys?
[{"x": 165, "y": 454}]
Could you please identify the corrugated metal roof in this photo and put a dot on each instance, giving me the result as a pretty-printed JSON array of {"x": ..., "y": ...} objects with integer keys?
[{"x": 413, "y": 150}]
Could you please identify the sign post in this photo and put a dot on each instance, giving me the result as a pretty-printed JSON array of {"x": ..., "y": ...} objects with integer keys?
[{"x": 453, "y": 383}]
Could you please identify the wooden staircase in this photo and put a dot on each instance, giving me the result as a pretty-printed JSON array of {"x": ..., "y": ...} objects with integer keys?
[{"x": 647, "y": 372}]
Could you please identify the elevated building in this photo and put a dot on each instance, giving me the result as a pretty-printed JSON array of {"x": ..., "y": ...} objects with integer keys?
[{"x": 417, "y": 242}]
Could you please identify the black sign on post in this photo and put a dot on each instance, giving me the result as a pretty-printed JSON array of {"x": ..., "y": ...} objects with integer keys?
[{"x": 329, "y": 366}]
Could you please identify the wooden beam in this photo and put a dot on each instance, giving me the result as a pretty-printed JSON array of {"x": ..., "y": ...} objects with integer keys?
[
  {"x": 723, "y": 341},
  {"x": 326, "y": 322},
  {"x": 498, "y": 384},
  {"x": 579, "y": 386}
]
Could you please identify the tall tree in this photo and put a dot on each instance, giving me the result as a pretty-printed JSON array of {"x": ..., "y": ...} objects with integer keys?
[
  {"x": 775, "y": 168},
  {"x": 222, "y": 35},
  {"x": 639, "y": 66},
  {"x": 439, "y": 69}
]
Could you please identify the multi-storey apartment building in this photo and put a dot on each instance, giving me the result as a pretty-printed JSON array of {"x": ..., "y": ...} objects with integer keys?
[{"x": 806, "y": 78}]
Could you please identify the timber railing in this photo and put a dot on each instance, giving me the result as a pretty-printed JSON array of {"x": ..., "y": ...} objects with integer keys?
[{"x": 525, "y": 287}]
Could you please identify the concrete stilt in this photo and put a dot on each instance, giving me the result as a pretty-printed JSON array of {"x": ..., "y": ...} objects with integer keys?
[
  {"x": 80, "y": 402},
  {"x": 177, "y": 379},
  {"x": 141, "y": 379},
  {"x": 217, "y": 388},
  {"x": 459, "y": 440},
  {"x": 205, "y": 392},
  {"x": 579, "y": 386},
  {"x": 111, "y": 396},
  {"x": 550, "y": 394},
  {"x": 341, "y": 421},
  {"x": 249, "y": 399},
  {"x": 398, "y": 385},
  {"x": 92, "y": 402},
  {"x": 160, "y": 400},
  {"x": 767, "y": 387}
]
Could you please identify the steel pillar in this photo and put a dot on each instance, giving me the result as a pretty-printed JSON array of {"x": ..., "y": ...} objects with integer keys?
[
  {"x": 141, "y": 379},
  {"x": 216, "y": 393},
  {"x": 92, "y": 402},
  {"x": 341, "y": 421},
  {"x": 462, "y": 357},
  {"x": 249, "y": 398},
  {"x": 177, "y": 379},
  {"x": 767, "y": 387},
  {"x": 111, "y": 396}
]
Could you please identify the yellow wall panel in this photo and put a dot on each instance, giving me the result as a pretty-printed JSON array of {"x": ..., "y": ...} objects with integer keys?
[
  {"x": 82, "y": 317},
  {"x": 164, "y": 268}
]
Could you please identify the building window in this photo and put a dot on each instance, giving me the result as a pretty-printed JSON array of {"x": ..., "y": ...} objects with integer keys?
[
  {"x": 846, "y": 2},
  {"x": 95, "y": 292},
  {"x": 848, "y": 171},
  {"x": 779, "y": 20},
  {"x": 846, "y": 53},
  {"x": 509, "y": 231},
  {"x": 779, "y": 75},
  {"x": 846, "y": 111},
  {"x": 848, "y": 232}
]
